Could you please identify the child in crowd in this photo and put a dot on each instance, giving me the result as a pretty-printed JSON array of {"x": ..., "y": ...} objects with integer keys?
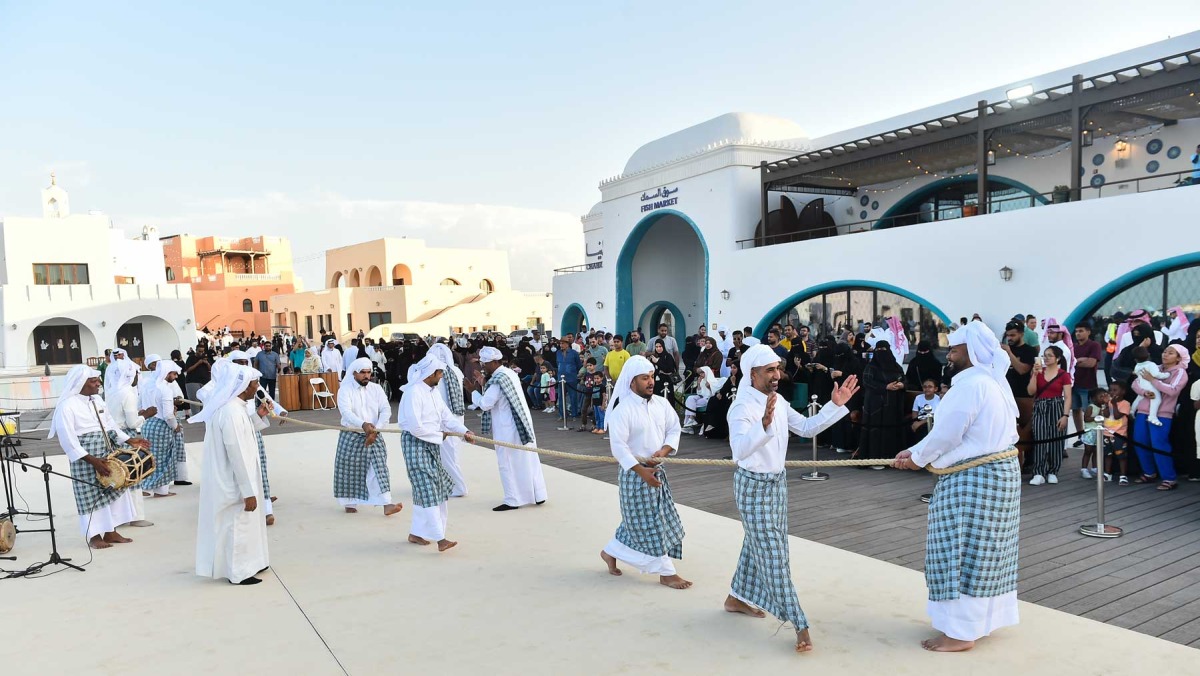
[
  {"x": 1144, "y": 370},
  {"x": 599, "y": 402},
  {"x": 548, "y": 388},
  {"x": 929, "y": 397},
  {"x": 1098, "y": 407},
  {"x": 593, "y": 396},
  {"x": 1118, "y": 409}
]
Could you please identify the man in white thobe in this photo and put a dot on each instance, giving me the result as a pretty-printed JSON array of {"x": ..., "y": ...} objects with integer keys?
[
  {"x": 351, "y": 354},
  {"x": 506, "y": 418},
  {"x": 261, "y": 422},
  {"x": 85, "y": 434},
  {"x": 331, "y": 359},
  {"x": 974, "y": 515},
  {"x": 122, "y": 404},
  {"x": 425, "y": 419},
  {"x": 231, "y": 535},
  {"x": 758, "y": 436},
  {"x": 161, "y": 429},
  {"x": 451, "y": 391},
  {"x": 360, "y": 470},
  {"x": 642, "y": 424}
]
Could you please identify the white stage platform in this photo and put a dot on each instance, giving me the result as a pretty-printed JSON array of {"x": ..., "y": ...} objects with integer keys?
[{"x": 525, "y": 592}]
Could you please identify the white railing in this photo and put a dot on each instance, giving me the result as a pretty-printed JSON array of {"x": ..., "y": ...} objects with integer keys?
[{"x": 258, "y": 277}]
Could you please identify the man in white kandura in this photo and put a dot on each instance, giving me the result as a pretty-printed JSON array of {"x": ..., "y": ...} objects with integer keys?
[
  {"x": 974, "y": 515},
  {"x": 642, "y": 424},
  {"x": 84, "y": 433},
  {"x": 360, "y": 470},
  {"x": 260, "y": 409},
  {"x": 121, "y": 400},
  {"x": 331, "y": 359},
  {"x": 160, "y": 429},
  {"x": 425, "y": 419},
  {"x": 506, "y": 418},
  {"x": 451, "y": 391},
  {"x": 231, "y": 534},
  {"x": 759, "y": 421}
]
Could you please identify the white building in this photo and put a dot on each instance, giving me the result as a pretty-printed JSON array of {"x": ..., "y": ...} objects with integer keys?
[
  {"x": 678, "y": 237},
  {"x": 72, "y": 285}
]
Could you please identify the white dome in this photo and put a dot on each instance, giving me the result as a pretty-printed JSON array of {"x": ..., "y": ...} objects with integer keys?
[{"x": 747, "y": 128}]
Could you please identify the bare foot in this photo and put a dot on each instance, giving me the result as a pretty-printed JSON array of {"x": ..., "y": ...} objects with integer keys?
[
  {"x": 611, "y": 562},
  {"x": 944, "y": 644},
  {"x": 416, "y": 540},
  {"x": 803, "y": 642},
  {"x": 674, "y": 581},
  {"x": 164, "y": 495},
  {"x": 147, "y": 494},
  {"x": 389, "y": 510},
  {"x": 97, "y": 542},
  {"x": 733, "y": 605},
  {"x": 270, "y": 519},
  {"x": 445, "y": 544},
  {"x": 116, "y": 538},
  {"x": 352, "y": 510}
]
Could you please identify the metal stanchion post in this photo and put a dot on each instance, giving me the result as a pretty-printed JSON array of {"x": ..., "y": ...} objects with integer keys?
[
  {"x": 926, "y": 414},
  {"x": 562, "y": 382},
  {"x": 1100, "y": 529},
  {"x": 813, "y": 408}
]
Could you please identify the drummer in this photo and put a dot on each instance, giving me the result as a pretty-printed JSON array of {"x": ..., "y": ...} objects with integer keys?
[{"x": 260, "y": 423}]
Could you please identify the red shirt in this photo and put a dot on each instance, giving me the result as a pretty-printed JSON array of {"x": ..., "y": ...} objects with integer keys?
[
  {"x": 1085, "y": 378},
  {"x": 1054, "y": 389}
]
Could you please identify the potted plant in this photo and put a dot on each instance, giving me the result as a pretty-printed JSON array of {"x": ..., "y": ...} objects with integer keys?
[{"x": 1062, "y": 193}]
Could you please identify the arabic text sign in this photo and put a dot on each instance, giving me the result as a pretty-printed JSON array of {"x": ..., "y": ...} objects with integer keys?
[{"x": 659, "y": 198}]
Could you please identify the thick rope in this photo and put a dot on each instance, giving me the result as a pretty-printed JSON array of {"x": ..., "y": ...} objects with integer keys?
[{"x": 712, "y": 462}]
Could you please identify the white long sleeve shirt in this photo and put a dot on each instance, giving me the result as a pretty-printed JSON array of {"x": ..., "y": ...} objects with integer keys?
[
  {"x": 424, "y": 415},
  {"x": 164, "y": 400},
  {"x": 972, "y": 420},
  {"x": 764, "y": 451},
  {"x": 503, "y": 427},
  {"x": 640, "y": 427},
  {"x": 124, "y": 410},
  {"x": 360, "y": 404},
  {"x": 78, "y": 419},
  {"x": 331, "y": 360}
]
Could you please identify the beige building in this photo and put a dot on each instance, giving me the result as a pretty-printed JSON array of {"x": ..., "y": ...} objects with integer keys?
[{"x": 411, "y": 288}]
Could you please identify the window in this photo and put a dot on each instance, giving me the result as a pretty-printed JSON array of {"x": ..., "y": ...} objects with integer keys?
[
  {"x": 60, "y": 273},
  {"x": 170, "y": 275},
  {"x": 123, "y": 280},
  {"x": 247, "y": 305},
  {"x": 349, "y": 321},
  {"x": 308, "y": 326},
  {"x": 329, "y": 322},
  {"x": 486, "y": 286},
  {"x": 262, "y": 306},
  {"x": 450, "y": 282},
  {"x": 1156, "y": 295},
  {"x": 376, "y": 318},
  {"x": 850, "y": 309}
]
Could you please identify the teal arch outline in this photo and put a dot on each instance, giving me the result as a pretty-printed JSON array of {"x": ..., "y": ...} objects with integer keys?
[
  {"x": 625, "y": 267},
  {"x": 904, "y": 202},
  {"x": 1135, "y": 276},
  {"x": 840, "y": 285},
  {"x": 651, "y": 328},
  {"x": 563, "y": 323}
]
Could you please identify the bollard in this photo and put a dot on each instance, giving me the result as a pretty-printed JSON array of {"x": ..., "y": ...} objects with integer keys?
[
  {"x": 1100, "y": 529},
  {"x": 926, "y": 414},
  {"x": 813, "y": 408},
  {"x": 562, "y": 383}
]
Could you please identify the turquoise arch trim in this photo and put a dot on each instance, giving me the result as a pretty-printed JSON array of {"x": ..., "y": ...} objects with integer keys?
[
  {"x": 563, "y": 330},
  {"x": 841, "y": 285},
  {"x": 905, "y": 206},
  {"x": 1135, "y": 276},
  {"x": 654, "y": 313},
  {"x": 625, "y": 318}
]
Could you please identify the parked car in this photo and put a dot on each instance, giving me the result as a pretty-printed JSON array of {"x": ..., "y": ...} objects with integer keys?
[
  {"x": 408, "y": 337},
  {"x": 516, "y": 336}
]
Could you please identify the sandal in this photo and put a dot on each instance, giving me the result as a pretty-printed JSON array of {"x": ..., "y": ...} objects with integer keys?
[
  {"x": 1146, "y": 479},
  {"x": 1167, "y": 486}
]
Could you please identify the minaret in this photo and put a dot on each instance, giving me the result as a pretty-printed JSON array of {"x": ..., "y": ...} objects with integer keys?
[{"x": 55, "y": 203}]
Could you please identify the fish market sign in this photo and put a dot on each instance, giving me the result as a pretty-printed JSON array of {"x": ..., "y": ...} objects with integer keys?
[{"x": 659, "y": 198}]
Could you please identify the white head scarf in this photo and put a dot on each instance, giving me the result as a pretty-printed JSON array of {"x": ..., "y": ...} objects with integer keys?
[
  {"x": 758, "y": 355},
  {"x": 76, "y": 377},
  {"x": 442, "y": 352},
  {"x": 422, "y": 370},
  {"x": 151, "y": 359},
  {"x": 112, "y": 375},
  {"x": 635, "y": 366},
  {"x": 127, "y": 370},
  {"x": 488, "y": 353},
  {"x": 234, "y": 380},
  {"x": 984, "y": 350},
  {"x": 219, "y": 368},
  {"x": 360, "y": 364},
  {"x": 164, "y": 367},
  {"x": 238, "y": 354}
]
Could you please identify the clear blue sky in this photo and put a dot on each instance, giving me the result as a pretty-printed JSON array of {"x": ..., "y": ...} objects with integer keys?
[{"x": 465, "y": 122}]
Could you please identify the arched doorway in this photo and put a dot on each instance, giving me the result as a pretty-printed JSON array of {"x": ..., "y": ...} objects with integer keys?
[
  {"x": 1155, "y": 288},
  {"x": 147, "y": 334},
  {"x": 486, "y": 286},
  {"x": 374, "y": 276},
  {"x": 574, "y": 318},
  {"x": 664, "y": 261},
  {"x": 62, "y": 341},
  {"x": 830, "y": 309},
  {"x": 355, "y": 279},
  {"x": 951, "y": 198},
  {"x": 664, "y": 312},
  {"x": 450, "y": 282},
  {"x": 401, "y": 275},
  {"x": 337, "y": 281}
]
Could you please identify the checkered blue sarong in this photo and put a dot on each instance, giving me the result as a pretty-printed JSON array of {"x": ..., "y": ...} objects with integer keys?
[
  {"x": 431, "y": 483},
  {"x": 454, "y": 392},
  {"x": 162, "y": 447},
  {"x": 515, "y": 399},
  {"x": 764, "y": 573},
  {"x": 649, "y": 522},
  {"x": 974, "y": 522},
  {"x": 90, "y": 496},
  {"x": 262, "y": 462},
  {"x": 351, "y": 462},
  {"x": 180, "y": 451}
]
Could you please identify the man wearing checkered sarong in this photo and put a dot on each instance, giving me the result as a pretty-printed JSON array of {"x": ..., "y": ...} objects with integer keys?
[
  {"x": 758, "y": 435},
  {"x": 360, "y": 471},
  {"x": 972, "y": 544},
  {"x": 161, "y": 429},
  {"x": 644, "y": 425},
  {"x": 85, "y": 432},
  {"x": 506, "y": 418},
  {"x": 425, "y": 419}
]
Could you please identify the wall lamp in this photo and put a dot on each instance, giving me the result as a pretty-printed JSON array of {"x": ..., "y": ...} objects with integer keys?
[
  {"x": 1006, "y": 273},
  {"x": 725, "y": 295},
  {"x": 599, "y": 305}
]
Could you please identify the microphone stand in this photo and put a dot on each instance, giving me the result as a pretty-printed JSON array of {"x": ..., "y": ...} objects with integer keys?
[{"x": 55, "y": 557}]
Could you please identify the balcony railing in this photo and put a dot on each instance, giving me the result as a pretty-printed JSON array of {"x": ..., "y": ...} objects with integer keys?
[
  {"x": 258, "y": 277},
  {"x": 1145, "y": 183},
  {"x": 582, "y": 267}
]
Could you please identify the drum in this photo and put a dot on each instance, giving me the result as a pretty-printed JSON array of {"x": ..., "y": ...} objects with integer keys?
[
  {"x": 127, "y": 466},
  {"x": 288, "y": 389},
  {"x": 8, "y": 534}
]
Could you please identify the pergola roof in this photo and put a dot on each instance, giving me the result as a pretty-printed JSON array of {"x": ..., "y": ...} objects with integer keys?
[{"x": 1162, "y": 91}]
